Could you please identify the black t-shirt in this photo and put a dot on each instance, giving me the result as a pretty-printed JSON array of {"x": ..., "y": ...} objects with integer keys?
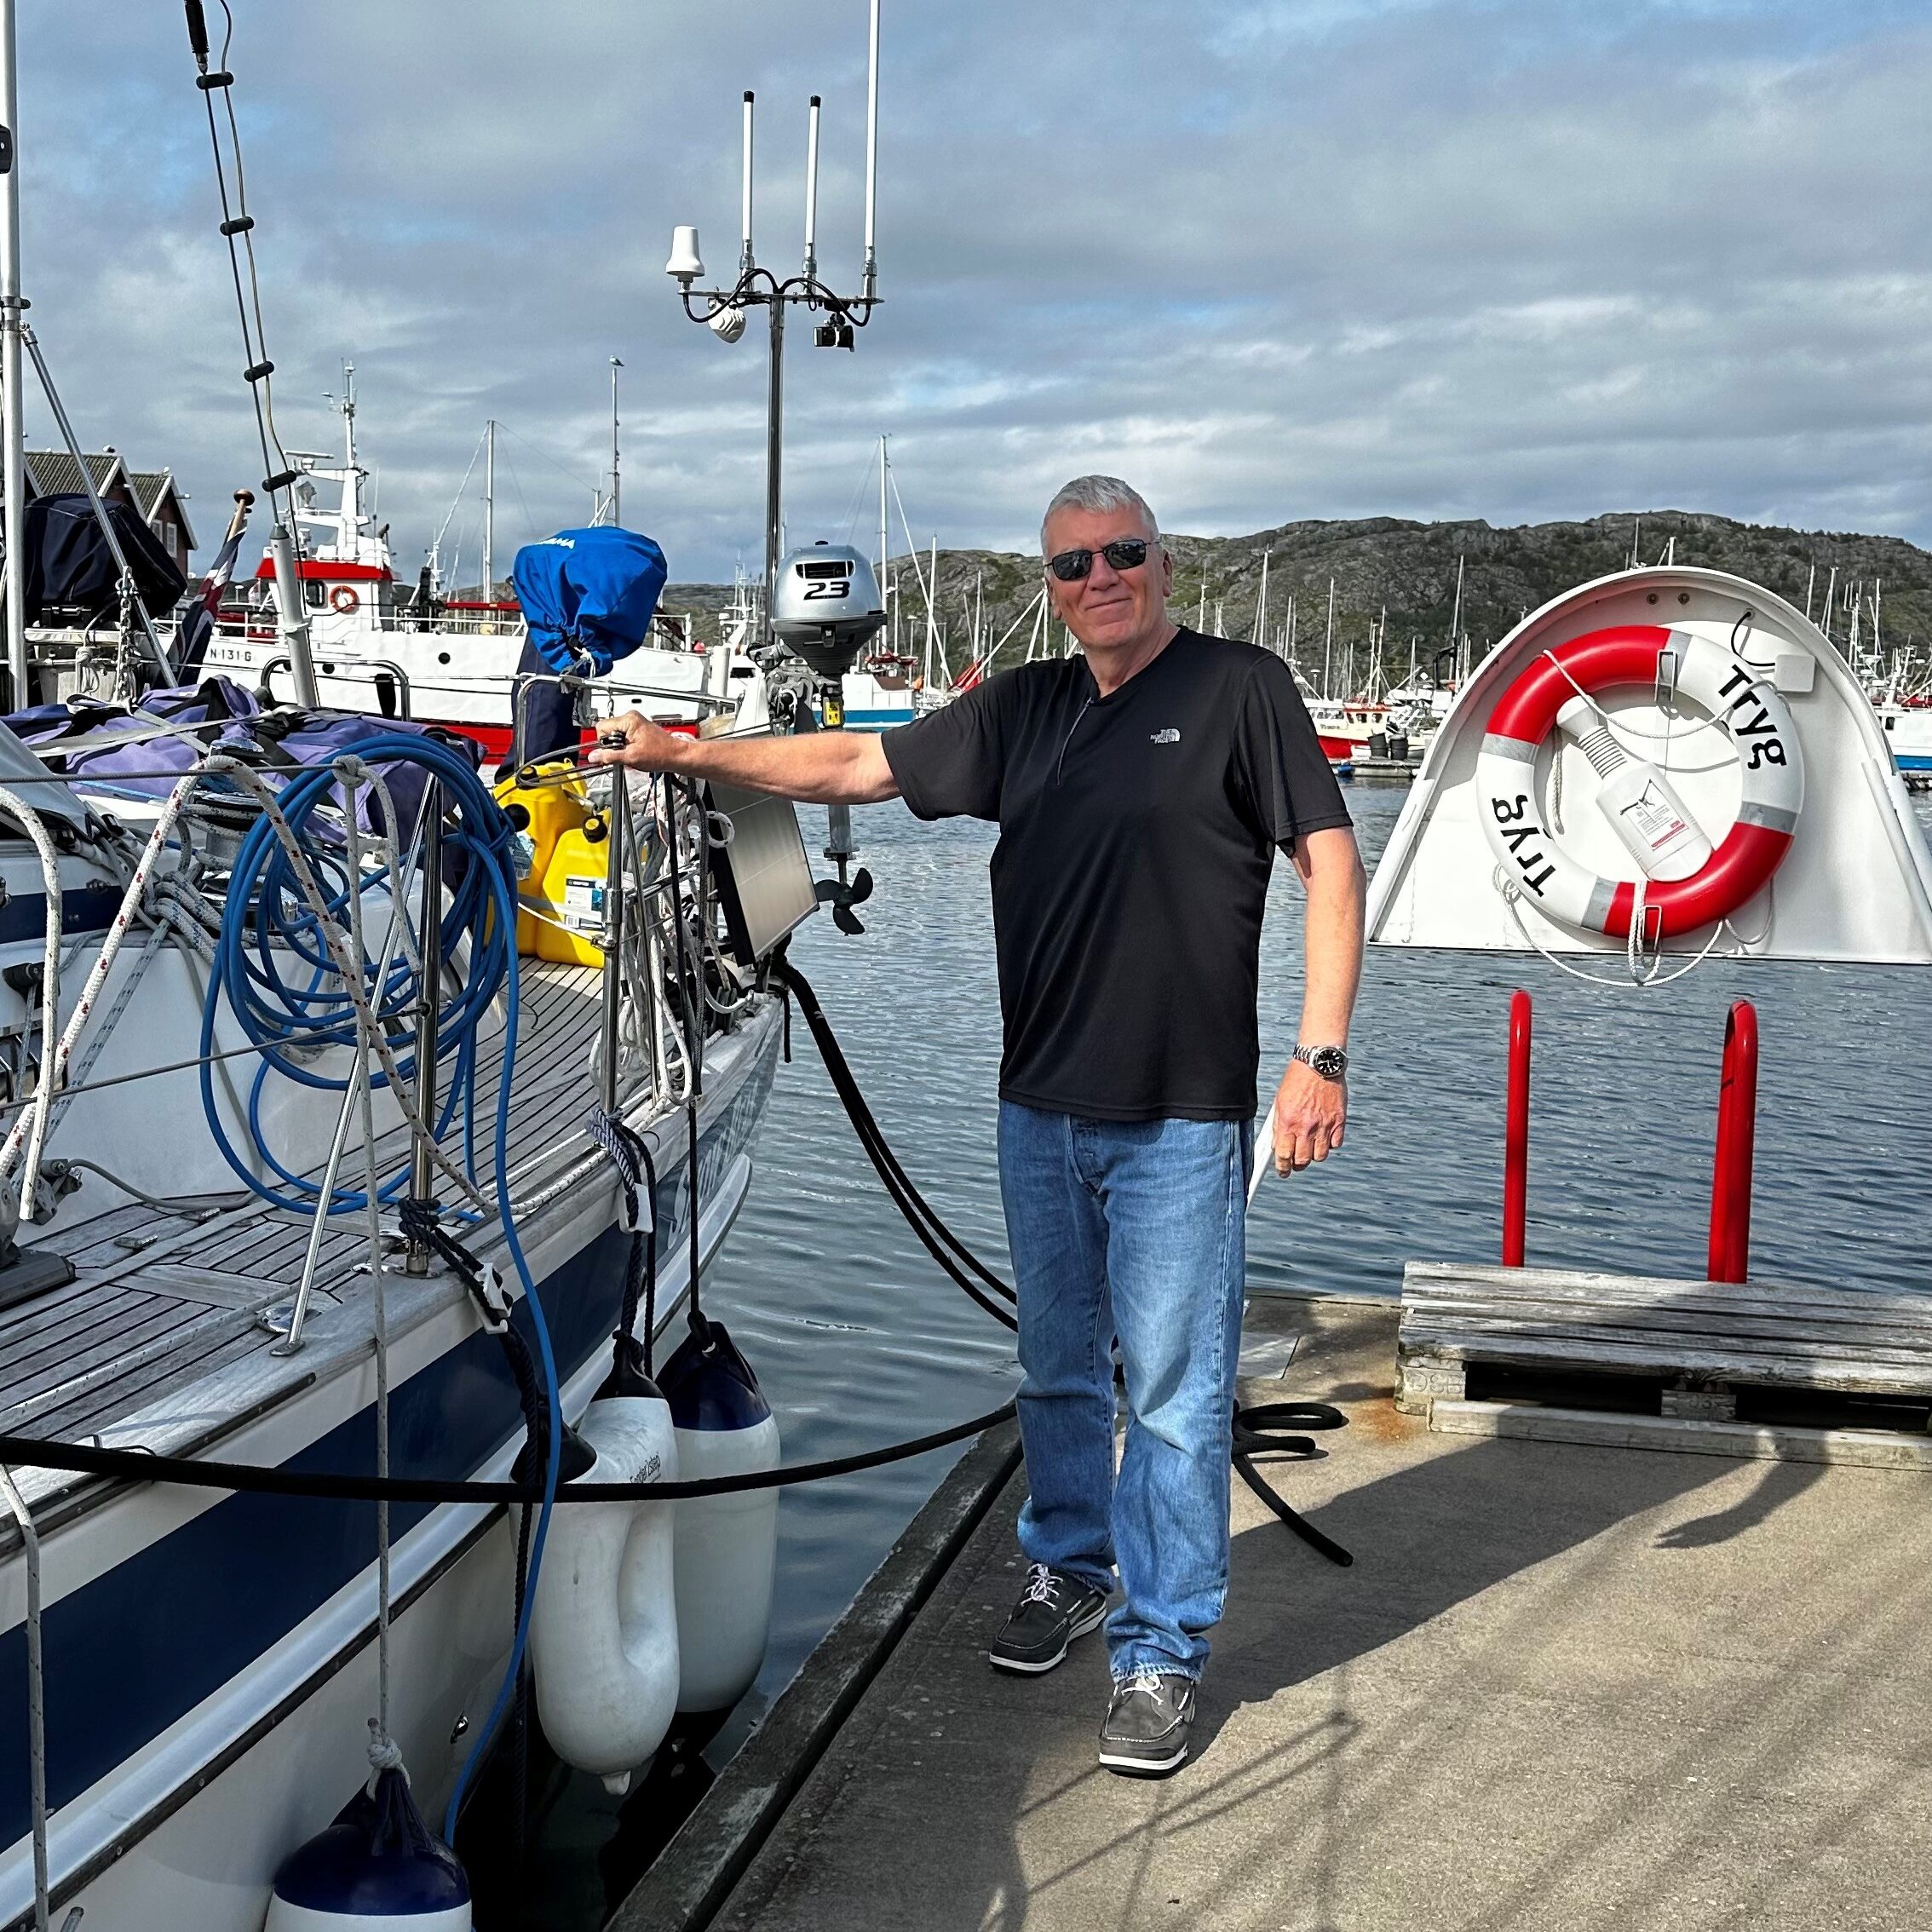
[{"x": 1136, "y": 832}]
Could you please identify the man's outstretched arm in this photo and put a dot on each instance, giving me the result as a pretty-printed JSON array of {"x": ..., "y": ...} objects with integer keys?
[{"x": 817, "y": 768}]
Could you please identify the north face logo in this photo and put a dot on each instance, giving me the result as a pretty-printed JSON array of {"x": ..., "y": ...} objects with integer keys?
[{"x": 1170, "y": 736}]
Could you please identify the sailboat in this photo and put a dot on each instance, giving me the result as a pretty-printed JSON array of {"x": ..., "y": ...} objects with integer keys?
[{"x": 359, "y": 1122}]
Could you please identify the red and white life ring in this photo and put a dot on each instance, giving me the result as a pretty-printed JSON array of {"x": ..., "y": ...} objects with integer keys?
[
  {"x": 343, "y": 599},
  {"x": 1738, "y": 696}
]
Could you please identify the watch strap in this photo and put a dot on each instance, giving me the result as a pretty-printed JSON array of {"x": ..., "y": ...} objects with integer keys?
[{"x": 1308, "y": 1056}]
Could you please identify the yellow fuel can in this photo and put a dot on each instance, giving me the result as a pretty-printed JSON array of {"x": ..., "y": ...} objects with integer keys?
[{"x": 562, "y": 884}]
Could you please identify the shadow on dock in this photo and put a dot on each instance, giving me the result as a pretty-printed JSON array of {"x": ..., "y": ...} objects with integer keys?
[{"x": 1561, "y": 1687}]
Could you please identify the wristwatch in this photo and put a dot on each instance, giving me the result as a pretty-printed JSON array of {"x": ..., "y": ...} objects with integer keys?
[{"x": 1330, "y": 1062}]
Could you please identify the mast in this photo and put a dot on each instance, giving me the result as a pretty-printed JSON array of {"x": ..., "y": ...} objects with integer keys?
[
  {"x": 13, "y": 462},
  {"x": 932, "y": 608},
  {"x": 1328, "y": 641},
  {"x": 490, "y": 511},
  {"x": 1456, "y": 622},
  {"x": 352, "y": 477},
  {"x": 1261, "y": 608},
  {"x": 885, "y": 465},
  {"x": 617, "y": 487}
]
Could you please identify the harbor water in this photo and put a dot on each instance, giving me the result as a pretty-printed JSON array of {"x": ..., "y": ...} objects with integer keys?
[{"x": 858, "y": 1341}]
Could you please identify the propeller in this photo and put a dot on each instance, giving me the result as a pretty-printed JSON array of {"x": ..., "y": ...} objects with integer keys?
[{"x": 842, "y": 895}]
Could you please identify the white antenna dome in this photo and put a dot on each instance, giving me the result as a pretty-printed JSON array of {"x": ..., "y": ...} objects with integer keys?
[{"x": 686, "y": 264}]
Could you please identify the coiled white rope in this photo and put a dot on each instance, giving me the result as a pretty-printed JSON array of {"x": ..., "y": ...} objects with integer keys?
[{"x": 1645, "y": 966}]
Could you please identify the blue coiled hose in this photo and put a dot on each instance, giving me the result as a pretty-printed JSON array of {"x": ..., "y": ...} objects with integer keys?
[
  {"x": 273, "y": 971},
  {"x": 274, "y": 974}
]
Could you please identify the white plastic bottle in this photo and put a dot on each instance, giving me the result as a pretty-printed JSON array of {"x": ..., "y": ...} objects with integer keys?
[{"x": 1643, "y": 809}]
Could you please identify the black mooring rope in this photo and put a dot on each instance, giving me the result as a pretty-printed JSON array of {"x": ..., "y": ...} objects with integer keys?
[{"x": 1258, "y": 1431}]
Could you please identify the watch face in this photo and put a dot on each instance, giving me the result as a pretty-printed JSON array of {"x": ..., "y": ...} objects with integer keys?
[{"x": 1330, "y": 1062}]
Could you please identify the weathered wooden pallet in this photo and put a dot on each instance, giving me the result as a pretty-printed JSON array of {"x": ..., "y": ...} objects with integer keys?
[{"x": 1702, "y": 1339}]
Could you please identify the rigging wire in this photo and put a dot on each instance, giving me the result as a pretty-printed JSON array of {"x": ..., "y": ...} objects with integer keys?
[{"x": 236, "y": 220}]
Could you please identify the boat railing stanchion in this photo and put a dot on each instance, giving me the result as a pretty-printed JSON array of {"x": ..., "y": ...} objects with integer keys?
[
  {"x": 1515, "y": 1133},
  {"x": 650, "y": 906},
  {"x": 1729, "y": 1255},
  {"x": 614, "y": 902},
  {"x": 429, "y": 1019}
]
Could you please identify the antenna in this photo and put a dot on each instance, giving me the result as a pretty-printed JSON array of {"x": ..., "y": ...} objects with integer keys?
[
  {"x": 724, "y": 310},
  {"x": 870, "y": 289},
  {"x": 811, "y": 267},
  {"x": 745, "y": 263}
]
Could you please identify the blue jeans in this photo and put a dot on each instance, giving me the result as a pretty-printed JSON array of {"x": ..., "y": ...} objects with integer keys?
[{"x": 1133, "y": 1230}]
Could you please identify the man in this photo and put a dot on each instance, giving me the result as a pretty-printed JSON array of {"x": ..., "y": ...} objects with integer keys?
[{"x": 1140, "y": 789}]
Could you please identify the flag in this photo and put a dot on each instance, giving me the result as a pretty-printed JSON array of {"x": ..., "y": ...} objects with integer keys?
[{"x": 198, "y": 625}]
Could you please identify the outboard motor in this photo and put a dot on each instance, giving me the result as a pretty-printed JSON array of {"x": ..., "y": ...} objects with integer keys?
[
  {"x": 604, "y": 1627},
  {"x": 378, "y": 1865},
  {"x": 726, "y": 1545},
  {"x": 825, "y": 603}
]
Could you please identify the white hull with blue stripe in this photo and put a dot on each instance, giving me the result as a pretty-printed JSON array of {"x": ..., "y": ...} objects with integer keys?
[
  {"x": 176, "y": 1817},
  {"x": 209, "y": 1659}
]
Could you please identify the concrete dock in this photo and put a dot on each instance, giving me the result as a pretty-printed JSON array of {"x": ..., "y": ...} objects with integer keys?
[{"x": 1562, "y": 1687}]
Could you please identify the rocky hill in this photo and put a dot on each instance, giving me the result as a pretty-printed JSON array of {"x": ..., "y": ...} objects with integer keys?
[{"x": 1399, "y": 578}]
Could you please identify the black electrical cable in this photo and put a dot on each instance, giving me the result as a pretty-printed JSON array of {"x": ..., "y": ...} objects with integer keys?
[
  {"x": 944, "y": 1247},
  {"x": 1257, "y": 1431}
]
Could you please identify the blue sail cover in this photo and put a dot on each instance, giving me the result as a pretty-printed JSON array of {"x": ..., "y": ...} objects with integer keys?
[{"x": 588, "y": 595}]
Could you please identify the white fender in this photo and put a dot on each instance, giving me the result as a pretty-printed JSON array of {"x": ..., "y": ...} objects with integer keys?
[
  {"x": 726, "y": 1545},
  {"x": 727, "y": 1566},
  {"x": 603, "y": 1627}
]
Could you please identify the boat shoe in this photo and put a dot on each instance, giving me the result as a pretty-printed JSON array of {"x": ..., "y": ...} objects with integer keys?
[
  {"x": 1053, "y": 1608},
  {"x": 1148, "y": 1719}
]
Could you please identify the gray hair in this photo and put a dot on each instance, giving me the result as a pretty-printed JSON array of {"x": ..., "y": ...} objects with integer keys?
[{"x": 1102, "y": 494}]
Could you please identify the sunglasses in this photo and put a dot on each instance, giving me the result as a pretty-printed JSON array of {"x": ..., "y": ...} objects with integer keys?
[{"x": 1125, "y": 553}]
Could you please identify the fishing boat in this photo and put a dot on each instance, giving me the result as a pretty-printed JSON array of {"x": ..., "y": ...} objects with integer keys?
[
  {"x": 405, "y": 650},
  {"x": 1907, "y": 726}
]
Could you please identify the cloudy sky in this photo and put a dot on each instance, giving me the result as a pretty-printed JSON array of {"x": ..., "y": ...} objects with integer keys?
[{"x": 1272, "y": 258}]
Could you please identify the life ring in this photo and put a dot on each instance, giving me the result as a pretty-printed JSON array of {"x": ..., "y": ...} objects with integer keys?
[
  {"x": 343, "y": 599},
  {"x": 1739, "y": 699}
]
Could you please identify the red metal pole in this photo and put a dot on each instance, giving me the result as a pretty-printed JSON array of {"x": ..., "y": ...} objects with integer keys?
[
  {"x": 1737, "y": 1134},
  {"x": 1515, "y": 1133}
]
